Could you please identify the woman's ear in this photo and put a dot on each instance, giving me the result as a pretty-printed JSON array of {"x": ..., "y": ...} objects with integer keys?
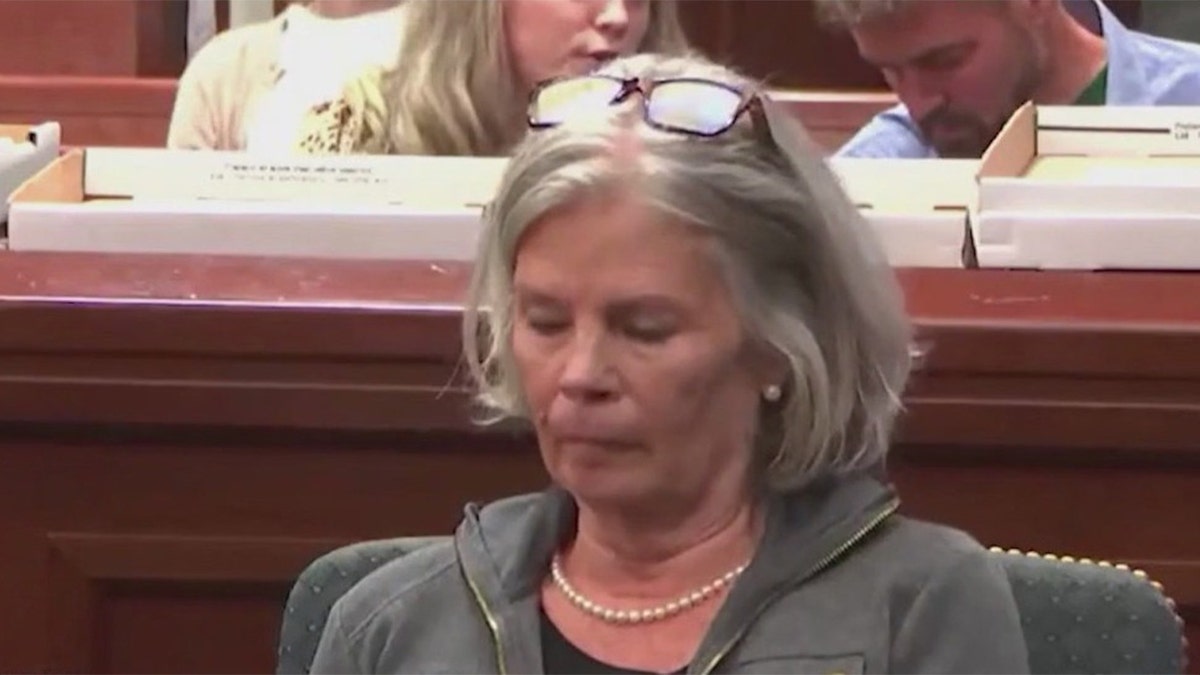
[{"x": 771, "y": 369}]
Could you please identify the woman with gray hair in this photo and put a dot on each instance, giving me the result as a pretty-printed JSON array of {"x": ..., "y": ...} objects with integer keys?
[{"x": 675, "y": 294}]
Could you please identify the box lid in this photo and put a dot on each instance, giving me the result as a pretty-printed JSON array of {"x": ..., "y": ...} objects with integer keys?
[
  {"x": 908, "y": 185},
  {"x": 140, "y": 173},
  {"x": 1082, "y": 187}
]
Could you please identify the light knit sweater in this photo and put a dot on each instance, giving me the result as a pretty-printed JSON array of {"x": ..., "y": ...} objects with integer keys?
[{"x": 238, "y": 75}]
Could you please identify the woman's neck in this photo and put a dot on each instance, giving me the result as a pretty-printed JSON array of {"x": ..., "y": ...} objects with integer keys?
[{"x": 650, "y": 558}]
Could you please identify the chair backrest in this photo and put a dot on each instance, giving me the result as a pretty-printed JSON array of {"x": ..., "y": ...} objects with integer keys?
[
  {"x": 1078, "y": 616},
  {"x": 1081, "y": 616},
  {"x": 320, "y": 585}
]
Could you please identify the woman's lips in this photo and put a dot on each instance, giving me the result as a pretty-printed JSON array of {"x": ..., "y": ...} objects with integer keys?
[
  {"x": 594, "y": 440},
  {"x": 583, "y": 426},
  {"x": 602, "y": 441}
]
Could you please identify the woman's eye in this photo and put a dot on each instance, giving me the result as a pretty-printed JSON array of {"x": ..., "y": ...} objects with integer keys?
[
  {"x": 545, "y": 325},
  {"x": 649, "y": 330}
]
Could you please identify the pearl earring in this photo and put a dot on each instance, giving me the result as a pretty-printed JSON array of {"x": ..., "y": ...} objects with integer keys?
[{"x": 772, "y": 392}]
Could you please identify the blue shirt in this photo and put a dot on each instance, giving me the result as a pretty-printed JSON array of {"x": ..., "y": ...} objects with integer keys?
[{"x": 1142, "y": 70}]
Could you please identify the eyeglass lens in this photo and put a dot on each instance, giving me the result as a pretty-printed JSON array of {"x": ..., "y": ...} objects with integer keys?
[{"x": 696, "y": 106}]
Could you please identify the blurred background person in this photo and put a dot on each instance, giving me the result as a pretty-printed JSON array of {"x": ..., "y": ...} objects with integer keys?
[
  {"x": 456, "y": 81},
  {"x": 961, "y": 69},
  {"x": 251, "y": 87}
]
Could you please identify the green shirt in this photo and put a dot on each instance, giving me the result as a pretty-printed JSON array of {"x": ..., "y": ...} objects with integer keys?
[{"x": 1096, "y": 93}]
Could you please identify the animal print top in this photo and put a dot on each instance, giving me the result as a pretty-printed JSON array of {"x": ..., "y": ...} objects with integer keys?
[{"x": 330, "y": 128}]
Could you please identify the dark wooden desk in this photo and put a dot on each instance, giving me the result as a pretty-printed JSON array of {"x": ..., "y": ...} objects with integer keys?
[{"x": 180, "y": 436}]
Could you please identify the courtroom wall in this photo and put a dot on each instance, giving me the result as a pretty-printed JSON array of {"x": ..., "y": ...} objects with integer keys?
[{"x": 142, "y": 38}]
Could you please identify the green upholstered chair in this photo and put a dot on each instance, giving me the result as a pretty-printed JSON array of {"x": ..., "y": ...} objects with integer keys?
[
  {"x": 320, "y": 585},
  {"x": 1082, "y": 616},
  {"x": 1078, "y": 616}
]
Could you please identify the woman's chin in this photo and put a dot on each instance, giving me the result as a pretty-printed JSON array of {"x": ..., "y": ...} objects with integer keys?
[{"x": 604, "y": 482}]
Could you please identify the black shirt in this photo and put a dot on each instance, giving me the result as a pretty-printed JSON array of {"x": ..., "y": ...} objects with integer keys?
[{"x": 561, "y": 657}]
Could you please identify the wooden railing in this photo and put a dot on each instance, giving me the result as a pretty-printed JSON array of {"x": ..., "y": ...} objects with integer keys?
[{"x": 180, "y": 435}]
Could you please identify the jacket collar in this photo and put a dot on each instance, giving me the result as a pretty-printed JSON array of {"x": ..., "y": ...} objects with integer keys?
[{"x": 505, "y": 550}]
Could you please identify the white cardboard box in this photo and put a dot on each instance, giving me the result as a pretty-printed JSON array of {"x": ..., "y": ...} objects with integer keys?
[
  {"x": 164, "y": 201},
  {"x": 1065, "y": 187},
  {"x": 920, "y": 209},
  {"x": 24, "y": 150}
]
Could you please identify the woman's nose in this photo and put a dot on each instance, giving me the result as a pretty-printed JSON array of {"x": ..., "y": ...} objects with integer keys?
[
  {"x": 613, "y": 19},
  {"x": 586, "y": 375}
]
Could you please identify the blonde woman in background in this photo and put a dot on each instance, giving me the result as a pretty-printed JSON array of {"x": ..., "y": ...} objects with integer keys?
[
  {"x": 250, "y": 88},
  {"x": 457, "y": 82}
]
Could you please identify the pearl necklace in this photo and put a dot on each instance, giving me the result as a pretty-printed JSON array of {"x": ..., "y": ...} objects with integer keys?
[{"x": 686, "y": 601}]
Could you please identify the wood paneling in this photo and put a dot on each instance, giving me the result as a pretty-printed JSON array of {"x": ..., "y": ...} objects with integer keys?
[
  {"x": 780, "y": 42},
  {"x": 112, "y": 595},
  {"x": 161, "y": 37},
  {"x": 221, "y": 14},
  {"x": 179, "y": 435},
  {"x": 92, "y": 110},
  {"x": 144, "y": 38}
]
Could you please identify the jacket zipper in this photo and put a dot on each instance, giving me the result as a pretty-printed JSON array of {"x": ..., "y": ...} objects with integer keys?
[
  {"x": 815, "y": 570},
  {"x": 493, "y": 624}
]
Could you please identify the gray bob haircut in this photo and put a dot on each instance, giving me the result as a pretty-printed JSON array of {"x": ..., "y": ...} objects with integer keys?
[{"x": 808, "y": 277}]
